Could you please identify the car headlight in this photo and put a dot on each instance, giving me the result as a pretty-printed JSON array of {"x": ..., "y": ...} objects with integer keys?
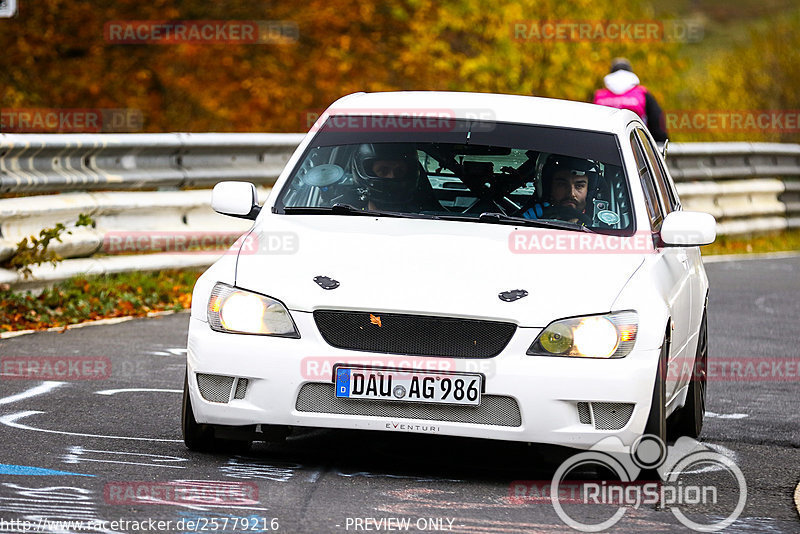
[
  {"x": 610, "y": 335},
  {"x": 235, "y": 310}
]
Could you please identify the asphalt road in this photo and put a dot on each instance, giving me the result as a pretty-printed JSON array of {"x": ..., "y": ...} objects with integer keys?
[{"x": 109, "y": 450}]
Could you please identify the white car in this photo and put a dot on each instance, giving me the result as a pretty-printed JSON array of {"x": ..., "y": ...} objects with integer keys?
[{"x": 479, "y": 265}]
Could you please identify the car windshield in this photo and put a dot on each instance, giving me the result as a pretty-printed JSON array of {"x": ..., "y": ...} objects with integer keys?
[{"x": 487, "y": 172}]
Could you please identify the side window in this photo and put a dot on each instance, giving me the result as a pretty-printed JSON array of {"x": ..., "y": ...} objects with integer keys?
[
  {"x": 668, "y": 200},
  {"x": 650, "y": 195}
]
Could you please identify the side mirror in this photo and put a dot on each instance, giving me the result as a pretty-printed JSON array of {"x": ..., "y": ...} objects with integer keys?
[
  {"x": 688, "y": 229},
  {"x": 237, "y": 199},
  {"x": 662, "y": 147}
]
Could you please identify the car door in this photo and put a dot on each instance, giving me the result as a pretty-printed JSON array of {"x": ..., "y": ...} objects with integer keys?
[
  {"x": 693, "y": 253},
  {"x": 673, "y": 266}
]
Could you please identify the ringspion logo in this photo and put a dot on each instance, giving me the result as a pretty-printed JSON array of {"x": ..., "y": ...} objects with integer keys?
[{"x": 676, "y": 488}]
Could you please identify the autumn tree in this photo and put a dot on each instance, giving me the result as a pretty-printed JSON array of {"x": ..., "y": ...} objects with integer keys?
[
  {"x": 759, "y": 75},
  {"x": 55, "y": 55}
]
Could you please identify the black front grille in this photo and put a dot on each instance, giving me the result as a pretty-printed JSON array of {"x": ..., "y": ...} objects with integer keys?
[{"x": 413, "y": 334}]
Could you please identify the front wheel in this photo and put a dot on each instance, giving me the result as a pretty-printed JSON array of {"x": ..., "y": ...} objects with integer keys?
[
  {"x": 657, "y": 419},
  {"x": 199, "y": 437},
  {"x": 688, "y": 420}
]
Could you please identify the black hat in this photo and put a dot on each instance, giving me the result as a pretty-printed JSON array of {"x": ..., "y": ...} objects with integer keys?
[
  {"x": 620, "y": 63},
  {"x": 576, "y": 167}
]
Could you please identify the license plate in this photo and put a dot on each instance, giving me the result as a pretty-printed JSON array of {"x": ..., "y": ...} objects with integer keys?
[{"x": 408, "y": 385}]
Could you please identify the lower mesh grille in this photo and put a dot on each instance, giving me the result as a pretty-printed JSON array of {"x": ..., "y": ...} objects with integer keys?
[
  {"x": 611, "y": 415},
  {"x": 241, "y": 389},
  {"x": 494, "y": 410},
  {"x": 215, "y": 388},
  {"x": 583, "y": 413}
]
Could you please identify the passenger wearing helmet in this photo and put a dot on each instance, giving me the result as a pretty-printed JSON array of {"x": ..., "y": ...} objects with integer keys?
[
  {"x": 388, "y": 177},
  {"x": 568, "y": 188}
]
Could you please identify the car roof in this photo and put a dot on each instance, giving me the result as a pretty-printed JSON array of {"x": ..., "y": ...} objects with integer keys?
[{"x": 489, "y": 106}]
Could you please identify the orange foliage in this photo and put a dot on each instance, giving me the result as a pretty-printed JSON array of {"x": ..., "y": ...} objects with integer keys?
[{"x": 54, "y": 55}]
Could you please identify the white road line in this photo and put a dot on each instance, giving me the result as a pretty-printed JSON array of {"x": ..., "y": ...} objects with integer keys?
[
  {"x": 41, "y": 389},
  {"x": 98, "y": 322},
  {"x": 742, "y": 257},
  {"x": 726, "y": 415},
  {"x": 68, "y": 460},
  {"x": 179, "y": 351},
  {"x": 77, "y": 449},
  {"x": 797, "y": 498},
  {"x": 11, "y": 420},
  {"x": 77, "y": 454},
  {"x": 763, "y": 307},
  {"x": 115, "y": 391},
  {"x": 725, "y": 451},
  {"x": 202, "y": 507}
]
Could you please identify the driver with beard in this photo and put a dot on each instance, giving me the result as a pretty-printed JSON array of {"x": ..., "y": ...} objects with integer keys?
[{"x": 566, "y": 183}]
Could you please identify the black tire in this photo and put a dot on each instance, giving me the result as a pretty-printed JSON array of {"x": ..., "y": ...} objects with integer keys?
[
  {"x": 657, "y": 419},
  {"x": 688, "y": 420},
  {"x": 200, "y": 438},
  {"x": 196, "y": 437}
]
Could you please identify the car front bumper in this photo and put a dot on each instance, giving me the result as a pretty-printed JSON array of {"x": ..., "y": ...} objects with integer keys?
[{"x": 554, "y": 400}]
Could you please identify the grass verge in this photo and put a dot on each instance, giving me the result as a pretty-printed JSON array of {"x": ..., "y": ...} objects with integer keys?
[
  {"x": 89, "y": 298},
  {"x": 788, "y": 240},
  {"x": 137, "y": 294}
]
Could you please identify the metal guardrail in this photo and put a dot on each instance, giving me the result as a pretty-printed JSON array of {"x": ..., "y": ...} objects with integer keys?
[
  {"x": 133, "y": 183},
  {"x": 748, "y": 187},
  {"x": 46, "y": 163},
  {"x": 724, "y": 161}
]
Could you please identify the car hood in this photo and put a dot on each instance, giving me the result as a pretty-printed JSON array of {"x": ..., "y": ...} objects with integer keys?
[{"x": 417, "y": 266}]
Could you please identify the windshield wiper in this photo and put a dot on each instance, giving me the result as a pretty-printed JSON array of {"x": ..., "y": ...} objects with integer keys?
[
  {"x": 347, "y": 209},
  {"x": 499, "y": 218},
  {"x": 485, "y": 217}
]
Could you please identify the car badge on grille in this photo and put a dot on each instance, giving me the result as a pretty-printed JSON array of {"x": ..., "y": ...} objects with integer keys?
[{"x": 375, "y": 319}]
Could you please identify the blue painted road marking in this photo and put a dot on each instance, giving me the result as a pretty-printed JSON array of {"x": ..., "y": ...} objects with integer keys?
[{"x": 7, "y": 469}]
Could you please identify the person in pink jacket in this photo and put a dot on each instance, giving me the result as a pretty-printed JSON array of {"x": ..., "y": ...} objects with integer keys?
[{"x": 622, "y": 90}]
